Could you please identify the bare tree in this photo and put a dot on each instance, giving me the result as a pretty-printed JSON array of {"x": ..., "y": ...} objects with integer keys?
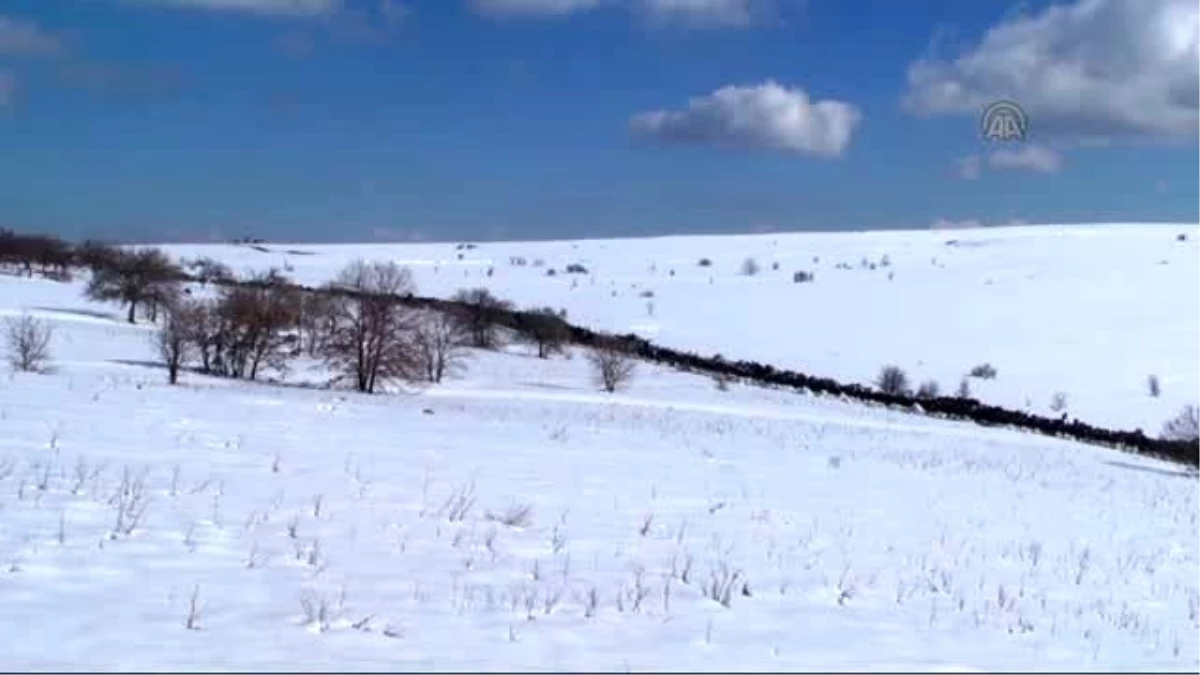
[
  {"x": 161, "y": 295},
  {"x": 173, "y": 340},
  {"x": 209, "y": 270},
  {"x": 929, "y": 389},
  {"x": 314, "y": 320},
  {"x": 441, "y": 345},
  {"x": 750, "y": 267},
  {"x": 372, "y": 338},
  {"x": 96, "y": 255},
  {"x": 893, "y": 380},
  {"x": 253, "y": 320},
  {"x": 1183, "y": 427},
  {"x": 479, "y": 312},
  {"x": 28, "y": 341},
  {"x": 964, "y": 389},
  {"x": 245, "y": 329},
  {"x": 612, "y": 365},
  {"x": 544, "y": 328},
  {"x": 133, "y": 278}
]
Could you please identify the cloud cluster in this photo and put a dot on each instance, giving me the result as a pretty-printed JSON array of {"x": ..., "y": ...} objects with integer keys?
[
  {"x": 20, "y": 37},
  {"x": 767, "y": 116},
  {"x": 1027, "y": 157},
  {"x": 534, "y": 8},
  {"x": 1091, "y": 69},
  {"x": 281, "y": 8},
  {"x": 687, "y": 13}
]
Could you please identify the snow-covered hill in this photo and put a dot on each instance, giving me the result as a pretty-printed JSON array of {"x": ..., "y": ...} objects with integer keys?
[
  {"x": 514, "y": 518},
  {"x": 1089, "y": 311}
]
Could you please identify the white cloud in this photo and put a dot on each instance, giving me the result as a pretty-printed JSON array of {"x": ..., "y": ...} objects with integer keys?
[
  {"x": 768, "y": 116},
  {"x": 19, "y": 37},
  {"x": 688, "y": 13},
  {"x": 534, "y": 8},
  {"x": 1094, "y": 68},
  {"x": 705, "y": 13},
  {"x": 1027, "y": 157},
  {"x": 281, "y": 8},
  {"x": 969, "y": 167}
]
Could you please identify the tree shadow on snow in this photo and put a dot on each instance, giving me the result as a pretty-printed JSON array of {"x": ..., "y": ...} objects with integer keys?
[
  {"x": 91, "y": 313},
  {"x": 1186, "y": 473}
]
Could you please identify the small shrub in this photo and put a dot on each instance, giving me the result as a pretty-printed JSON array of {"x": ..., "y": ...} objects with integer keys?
[
  {"x": 576, "y": 268},
  {"x": 750, "y": 267},
  {"x": 775, "y": 266},
  {"x": 984, "y": 371},
  {"x": 964, "y": 388},
  {"x": 802, "y": 277},
  {"x": 1153, "y": 386},
  {"x": 1059, "y": 402},
  {"x": 893, "y": 380},
  {"x": 721, "y": 381},
  {"x": 612, "y": 365},
  {"x": 705, "y": 262},
  {"x": 550, "y": 272},
  {"x": 1183, "y": 427},
  {"x": 929, "y": 389},
  {"x": 1181, "y": 237},
  {"x": 28, "y": 341}
]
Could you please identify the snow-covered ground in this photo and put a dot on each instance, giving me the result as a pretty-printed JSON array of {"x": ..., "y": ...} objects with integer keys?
[
  {"x": 515, "y": 518},
  {"x": 1088, "y": 311}
]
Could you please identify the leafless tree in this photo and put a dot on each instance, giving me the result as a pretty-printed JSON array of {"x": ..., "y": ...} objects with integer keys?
[
  {"x": 133, "y": 278},
  {"x": 441, "y": 342},
  {"x": 1183, "y": 427},
  {"x": 478, "y": 314},
  {"x": 28, "y": 341},
  {"x": 929, "y": 389},
  {"x": 893, "y": 380},
  {"x": 96, "y": 255},
  {"x": 208, "y": 270},
  {"x": 245, "y": 329},
  {"x": 252, "y": 322},
  {"x": 372, "y": 338},
  {"x": 314, "y": 321},
  {"x": 750, "y": 267},
  {"x": 544, "y": 328},
  {"x": 161, "y": 295},
  {"x": 964, "y": 389},
  {"x": 612, "y": 365},
  {"x": 24, "y": 251},
  {"x": 173, "y": 340}
]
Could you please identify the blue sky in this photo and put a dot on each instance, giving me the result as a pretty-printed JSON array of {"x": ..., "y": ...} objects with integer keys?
[{"x": 327, "y": 120}]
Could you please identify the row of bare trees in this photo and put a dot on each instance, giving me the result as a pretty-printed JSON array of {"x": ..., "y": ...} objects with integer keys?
[
  {"x": 25, "y": 253},
  {"x": 359, "y": 325}
]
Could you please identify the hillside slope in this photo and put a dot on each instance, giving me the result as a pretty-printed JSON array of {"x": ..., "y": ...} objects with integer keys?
[
  {"x": 1087, "y": 311},
  {"x": 515, "y": 518}
]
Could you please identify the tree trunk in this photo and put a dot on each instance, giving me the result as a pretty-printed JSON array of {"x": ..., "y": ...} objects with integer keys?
[
  {"x": 133, "y": 311},
  {"x": 172, "y": 373}
]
